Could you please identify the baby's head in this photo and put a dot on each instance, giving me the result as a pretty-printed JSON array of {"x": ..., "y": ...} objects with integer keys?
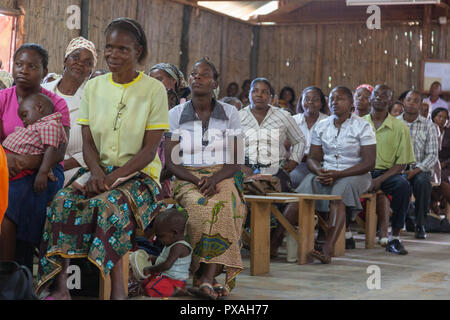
[
  {"x": 396, "y": 109},
  {"x": 424, "y": 109},
  {"x": 169, "y": 226},
  {"x": 35, "y": 107}
]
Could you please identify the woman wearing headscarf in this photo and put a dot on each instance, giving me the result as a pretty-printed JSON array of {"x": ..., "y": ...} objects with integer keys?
[
  {"x": 79, "y": 62},
  {"x": 177, "y": 92},
  {"x": 361, "y": 97},
  {"x": 173, "y": 79}
]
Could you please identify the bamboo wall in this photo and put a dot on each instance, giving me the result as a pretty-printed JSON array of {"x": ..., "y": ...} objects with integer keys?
[
  {"x": 7, "y": 4},
  {"x": 225, "y": 41},
  {"x": 352, "y": 55},
  {"x": 287, "y": 55},
  {"x": 45, "y": 23}
]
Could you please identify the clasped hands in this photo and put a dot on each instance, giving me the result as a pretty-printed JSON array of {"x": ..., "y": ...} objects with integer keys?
[
  {"x": 328, "y": 177},
  {"x": 208, "y": 186}
]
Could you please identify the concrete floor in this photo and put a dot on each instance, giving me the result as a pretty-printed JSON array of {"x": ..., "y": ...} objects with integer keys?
[{"x": 422, "y": 274}]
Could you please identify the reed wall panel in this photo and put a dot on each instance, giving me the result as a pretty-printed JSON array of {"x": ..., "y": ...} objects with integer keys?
[
  {"x": 45, "y": 23},
  {"x": 287, "y": 56}
]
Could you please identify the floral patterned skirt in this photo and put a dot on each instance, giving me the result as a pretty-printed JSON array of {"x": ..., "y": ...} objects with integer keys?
[
  {"x": 98, "y": 228},
  {"x": 214, "y": 224}
]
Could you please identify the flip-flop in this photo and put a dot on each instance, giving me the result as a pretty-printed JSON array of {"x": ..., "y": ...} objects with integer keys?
[
  {"x": 321, "y": 257},
  {"x": 197, "y": 291}
]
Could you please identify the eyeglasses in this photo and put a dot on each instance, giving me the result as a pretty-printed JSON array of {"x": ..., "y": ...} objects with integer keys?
[{"x": 121, "y": 106}]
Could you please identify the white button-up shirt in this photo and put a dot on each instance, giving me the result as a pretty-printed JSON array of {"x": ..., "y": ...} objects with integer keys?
[
  {"x": 342, "y": 149},
  {"x": 301, "y": 121},
  {"x": 200, "y": 147},
  {"x": 439, "y": 103}
]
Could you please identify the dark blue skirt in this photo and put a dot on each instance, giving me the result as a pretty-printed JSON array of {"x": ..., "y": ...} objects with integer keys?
[{"x": 27, "y": 209}]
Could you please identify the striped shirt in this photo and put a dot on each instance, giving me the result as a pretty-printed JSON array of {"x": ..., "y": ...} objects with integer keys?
[
  {"x": 264, "y": 144},
  {"x": 32, "y": 140},
  {"x": 425, "y": 143}
]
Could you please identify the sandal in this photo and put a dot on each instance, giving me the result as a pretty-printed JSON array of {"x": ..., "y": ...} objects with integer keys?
[
  {"x": 321, "y": 257},
  {"x": 198, "y": 292},
  {"x": 221, "y": 291}
]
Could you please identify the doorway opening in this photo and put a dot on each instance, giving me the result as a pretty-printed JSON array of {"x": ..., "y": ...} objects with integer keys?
[{"x": 8, "y": 34}]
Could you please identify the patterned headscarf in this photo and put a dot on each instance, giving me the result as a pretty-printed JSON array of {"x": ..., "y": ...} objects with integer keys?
[
  {"x": 81, "y": 43},
  {"x": 175, "y": 73},
  {"x": 6, "y": 78},
  {"x": 365, "y": 86}
]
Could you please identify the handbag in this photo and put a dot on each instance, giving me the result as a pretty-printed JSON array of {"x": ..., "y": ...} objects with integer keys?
[
  {"x": 268, "y": 184},
  {"x": 16, "y": 282}
]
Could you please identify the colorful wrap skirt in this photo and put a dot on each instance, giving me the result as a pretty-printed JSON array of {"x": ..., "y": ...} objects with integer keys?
[
  {"x": 214, "y": 225},
  {"x": 98, "y": 228}
]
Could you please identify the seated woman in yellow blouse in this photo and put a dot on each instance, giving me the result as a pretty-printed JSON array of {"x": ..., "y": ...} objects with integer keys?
[{"x": 123, "y": 116}]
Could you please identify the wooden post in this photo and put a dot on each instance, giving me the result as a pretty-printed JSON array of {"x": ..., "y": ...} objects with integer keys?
[
  {"x": 339, "y": 246},
  {"x": 223, "y": 66},
  {"x": 260, "y": 239},
  {"x": 306, "y": 211},
  {"x": 254, "y": 53},
  {"x": 20, "y": 27},
  {"x": 184, "y": 46},
  {"x": 319, "y": 56},
  {"x": 371, "y": 221},
  {"x": 443, "y": 41},
  {"x": 426, "y": 31},
  {"x": 84, "y": 32}
]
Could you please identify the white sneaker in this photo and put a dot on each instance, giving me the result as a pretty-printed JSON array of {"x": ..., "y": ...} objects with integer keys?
[{"x": 383, "y": 242}]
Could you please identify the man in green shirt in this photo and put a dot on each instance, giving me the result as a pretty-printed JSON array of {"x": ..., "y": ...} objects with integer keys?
[{"x": 394, "y": 152}]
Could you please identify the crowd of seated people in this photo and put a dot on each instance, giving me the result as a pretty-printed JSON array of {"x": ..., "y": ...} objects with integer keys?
[{"x": 129, "y": 139}]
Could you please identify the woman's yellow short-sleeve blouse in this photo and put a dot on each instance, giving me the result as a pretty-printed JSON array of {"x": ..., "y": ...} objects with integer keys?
[{"x": 118, "y": 116}]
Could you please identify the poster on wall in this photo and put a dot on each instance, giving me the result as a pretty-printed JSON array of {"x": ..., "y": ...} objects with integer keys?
[{"x": 436, "y": 70}]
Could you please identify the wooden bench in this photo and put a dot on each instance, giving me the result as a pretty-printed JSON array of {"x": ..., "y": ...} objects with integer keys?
[
  {"x": 307, "y": 213},
  {"x": 105, "y": 284},
  {"x": 262, "y": 206},
  {"x": 370, "y": 223},
  {"x": 371, "y": 218}
]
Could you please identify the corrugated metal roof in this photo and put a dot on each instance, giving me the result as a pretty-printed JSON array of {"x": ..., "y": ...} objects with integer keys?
[{"x": 241, "y": 9}]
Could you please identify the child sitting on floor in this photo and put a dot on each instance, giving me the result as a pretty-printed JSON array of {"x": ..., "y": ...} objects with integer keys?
[
  {"x": 43, "y": 129},
  {"x": 170, "y": 271}
]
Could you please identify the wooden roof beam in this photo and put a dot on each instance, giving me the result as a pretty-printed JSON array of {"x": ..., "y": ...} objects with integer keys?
[
  {"x": 443, "y": 4},
  {"x": 284, "y": 10}
]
